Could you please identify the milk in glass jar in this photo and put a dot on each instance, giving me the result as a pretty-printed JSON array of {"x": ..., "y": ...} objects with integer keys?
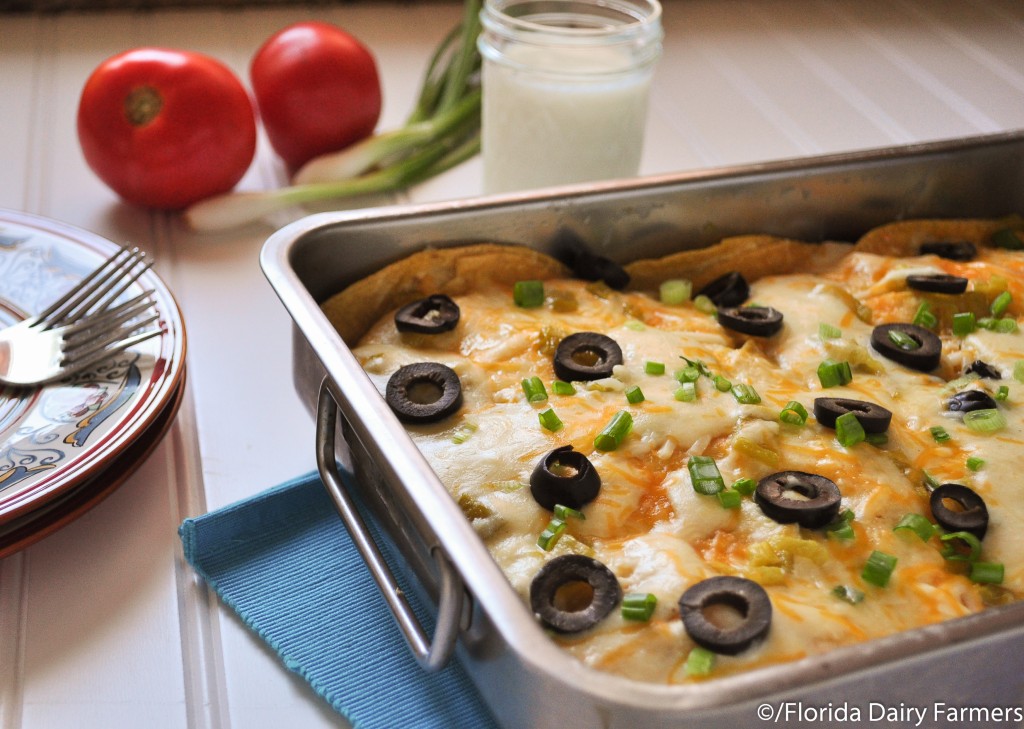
[{"x": 565, "y": 89}]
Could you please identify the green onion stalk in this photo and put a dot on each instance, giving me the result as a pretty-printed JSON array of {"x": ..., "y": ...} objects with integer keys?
[{"x": 442, "y": 131}]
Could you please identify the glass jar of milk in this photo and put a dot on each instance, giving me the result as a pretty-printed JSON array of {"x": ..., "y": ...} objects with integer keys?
[{"x": 565, "y": 87}]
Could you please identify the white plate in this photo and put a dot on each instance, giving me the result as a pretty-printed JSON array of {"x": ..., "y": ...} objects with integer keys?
[{"x": 55, "y": 438}]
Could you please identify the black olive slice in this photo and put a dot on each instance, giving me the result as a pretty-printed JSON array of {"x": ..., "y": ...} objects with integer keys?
[
  {"x": 592, "y": 267},
  {"x": 435, "y": 314},
  {"x": 566, "y": 477},
  {"x": 424, "y": 392},
  {"x": 972, "y": 517},
  {"x": 728, "y": 290},
  {"x": 586, "y": 356},
  {"x": 587, "y": 265},
  {"x": 939, "y": 283},
  {"x": 924, "y": 357},
  {"x": 810, "y": 500},
  {"x": 758, "y": 321},
  {"x": 744, "y": 596},
  {"x": 573, "y": 592},
  {"x": 984, "y": 370},
  {"x": 968, "y": 400},
  {"x": 872, "y": 417},
  {"x": 951, "y": 250}
]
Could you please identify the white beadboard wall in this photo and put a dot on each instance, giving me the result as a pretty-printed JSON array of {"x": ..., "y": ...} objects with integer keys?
[{"x": 101, "y": 624}]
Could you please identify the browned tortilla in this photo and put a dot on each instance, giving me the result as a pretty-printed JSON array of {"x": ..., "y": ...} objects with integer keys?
[
  {"x": 755, "y": 256},
  {"x": 456, "y": 270},
  {"x": 904, "y": 238},
  {"x": 451, "y": 271}
]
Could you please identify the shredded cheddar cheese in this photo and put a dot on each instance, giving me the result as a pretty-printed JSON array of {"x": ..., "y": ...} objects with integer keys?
[{"x": 649, "y": 525}]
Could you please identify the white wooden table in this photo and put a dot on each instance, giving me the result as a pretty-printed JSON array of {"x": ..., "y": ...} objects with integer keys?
[{"x": 102, "y": 624}]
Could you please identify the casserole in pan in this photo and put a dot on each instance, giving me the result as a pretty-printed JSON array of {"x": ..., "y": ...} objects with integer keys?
[{"x": 525, "y": 677}]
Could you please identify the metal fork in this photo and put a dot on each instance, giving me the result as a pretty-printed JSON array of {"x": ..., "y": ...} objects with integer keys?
[{"x": 81, "y": 328}]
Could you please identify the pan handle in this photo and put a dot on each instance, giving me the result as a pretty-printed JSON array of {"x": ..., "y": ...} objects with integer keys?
[{"x": 432, "y": 654}]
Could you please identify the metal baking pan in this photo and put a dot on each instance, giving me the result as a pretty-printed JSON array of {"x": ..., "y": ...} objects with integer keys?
[{"x": 977, "y": 661}]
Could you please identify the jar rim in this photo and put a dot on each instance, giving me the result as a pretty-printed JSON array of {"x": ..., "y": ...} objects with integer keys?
[{"x": 590, "y": 19}]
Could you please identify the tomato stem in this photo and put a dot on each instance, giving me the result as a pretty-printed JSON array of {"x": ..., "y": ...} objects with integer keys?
[{"x": 142, "y": 105}]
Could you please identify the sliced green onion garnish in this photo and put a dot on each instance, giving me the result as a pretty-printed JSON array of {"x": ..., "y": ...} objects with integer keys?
[
  {"x": 634, "y": 395},
  {"x": 704, "y": 304},
  {"x": 987, "y": 322},
  {"x": 849, "y": 431},
  {"x": 722, "y": 384},
  {"x": 841, "y": 528},
  {"x": 563, "y": 512},
  {"x": 939, "y": 434},
  {"x": 984, "y": 421},
  {"x": 917, "y": 524},
  {"x": 1006, "y": 325},
  {"x": 843, "y": 532},
  {"x": 848, "y": 594},
  {"x": 550, "y": 420},
  {"x": 675, "y": 291},
  {"x": 533, "y": 388},
  {"x": 507, "y": 487},
  {"x": 699, "y": 662},
  {"x": 829, "y": 331},
  {"x": 701, "y": 367},
  {"x": 615, "y": 432},
  {"x": 551, "y": 534},
  {"x": 794, "y": 413},
  {"x": 930, "y": 481},
  {"x": 562, "y": 388},
  {"x": 638, "y": 606},
  {"x": 688, "y": 374},
  {"x": 832, "y": 373},
  {"x": 528, "y": 294},
  {"x": 636, "y": 325},
  {"x": 1002, "y": 393},
  {"x": 878, "y": 569},
  {"x": 1018, "y": 370},
  {"x": 1001, "y": 303},
  {"x": 687, "y": 392},
  {"x": 654, "y": 368},
  {"x": 876, "y": 439},
  {"x": 704, "y": 474},
  {"x": 963, "y": 323},
  {"x": 745, "y": 394},
  {"x": 464, "y": 432},
  {"x": 990, "y": 573},
  {"x": 975, "y": 464},
  {"x": 955, "y": 542},
  {"x": 924, "y": 316},
  {"x": 903, "y": 340},
  {"x": 745, "y": 486},
  {"x": 729, "y": 499},
  {"x": 1008, "y": 238}
]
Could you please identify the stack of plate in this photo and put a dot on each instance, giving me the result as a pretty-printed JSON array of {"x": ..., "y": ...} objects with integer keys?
[{"x": 67, "y": 445}]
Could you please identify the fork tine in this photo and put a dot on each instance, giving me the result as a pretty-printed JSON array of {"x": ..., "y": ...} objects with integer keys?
[
  {"x": 125, "y": 283},
  {"x": 111, "y": 345},
  {"x": 118, "y": 314},
  {"x": 95, "y": 298},
  {"x": 100, "y": 336},
  {"x": 75, "y": 295},
  {"x": 97, "y": 290}
]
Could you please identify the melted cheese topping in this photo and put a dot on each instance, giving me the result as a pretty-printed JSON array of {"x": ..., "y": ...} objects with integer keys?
[{"x": 652, "y": 529}]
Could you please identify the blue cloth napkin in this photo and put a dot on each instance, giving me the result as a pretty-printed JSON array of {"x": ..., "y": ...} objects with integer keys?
[{"x": 284, "y": 562}]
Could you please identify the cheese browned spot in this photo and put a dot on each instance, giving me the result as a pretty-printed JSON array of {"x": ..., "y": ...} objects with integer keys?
[{"x": 650, "y": 527}]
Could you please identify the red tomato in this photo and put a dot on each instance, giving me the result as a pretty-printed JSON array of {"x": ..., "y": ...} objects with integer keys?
[
  {"x": 166, "y": 128},
  {"x": 317, "y": 90}
]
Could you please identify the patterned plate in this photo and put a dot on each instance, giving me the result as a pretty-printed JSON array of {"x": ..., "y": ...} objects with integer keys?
[
  {"x": 16, "y": 534},
  {"x": 55, "y": 438}
]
